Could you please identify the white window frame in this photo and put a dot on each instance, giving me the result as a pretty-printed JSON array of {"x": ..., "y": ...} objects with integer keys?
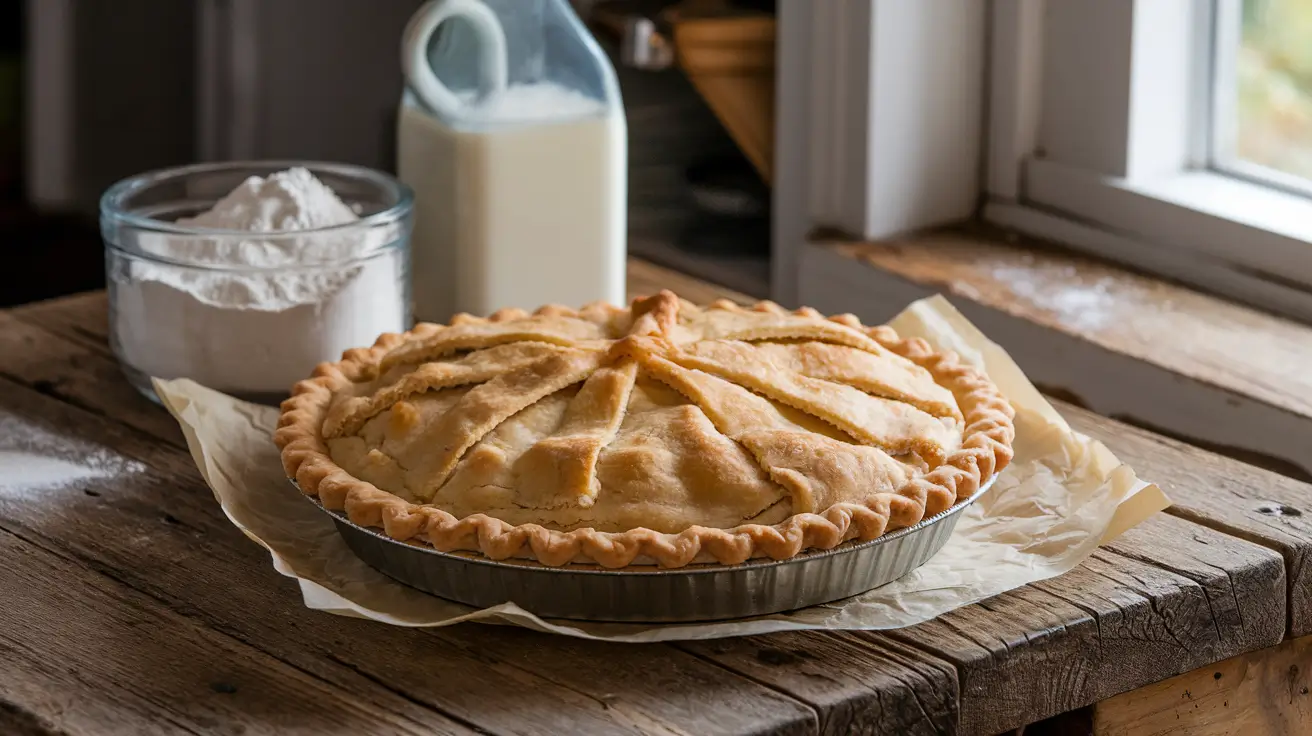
[
  {"x": 1073, "y": 120},
  {"x": 878, "y": 118},
  {"x": 1228, "y": 32},
  {"x": 1095, "y": 142}
]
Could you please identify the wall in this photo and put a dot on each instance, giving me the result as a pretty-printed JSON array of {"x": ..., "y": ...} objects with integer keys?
[{"x": 109, "y": 92}]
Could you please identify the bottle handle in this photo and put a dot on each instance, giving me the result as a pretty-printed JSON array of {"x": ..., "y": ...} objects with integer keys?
[{"x": 493, "y": 64}]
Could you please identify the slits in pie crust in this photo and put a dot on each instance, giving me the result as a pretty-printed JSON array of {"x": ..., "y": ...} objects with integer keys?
[{"x": 664, "y": 433}]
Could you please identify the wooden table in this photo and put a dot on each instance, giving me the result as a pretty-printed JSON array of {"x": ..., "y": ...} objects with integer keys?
[{"x": 130, "y": 605}]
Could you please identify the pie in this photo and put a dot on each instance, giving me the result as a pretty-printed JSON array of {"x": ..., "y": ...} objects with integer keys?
[{"x": 663, "y": 433}]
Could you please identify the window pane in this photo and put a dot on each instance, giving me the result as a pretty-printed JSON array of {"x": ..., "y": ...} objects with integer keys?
[{"x": 1272, "y": 78}]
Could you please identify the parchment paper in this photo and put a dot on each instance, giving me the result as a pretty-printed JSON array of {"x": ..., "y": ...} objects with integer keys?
[{"x": 1062, "y": 496}]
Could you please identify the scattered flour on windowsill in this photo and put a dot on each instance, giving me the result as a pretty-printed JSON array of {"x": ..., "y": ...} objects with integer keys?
[{"x": 1083, "y": 306}]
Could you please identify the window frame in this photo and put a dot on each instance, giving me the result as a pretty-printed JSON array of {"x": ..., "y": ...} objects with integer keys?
[
  {"x": 879, "y": 113},
  {"x": 1228, "y": 35},
  {"x": 1071, "y": 120},
  {"x": 1097, "y": 140}
]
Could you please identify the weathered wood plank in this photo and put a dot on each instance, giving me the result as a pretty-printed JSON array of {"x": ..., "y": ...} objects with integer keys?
[
  {"x": 892, "y": 666},
  {"x": 1221, "y": 416},
  {"x": 1221, "y": 596},
  {"x": 1232, "y": 497},
  {"x": 1111, "y": 625},
  {"x": 66, "y": 367},
  {"x": 1264, "y": 693},
  {"x": 1184, "y": 331},
  {"x": 83, "y": 317},
  {"x": 1114, "y": 590},
  {"x": 1244, "y": 584},
  {"x": 85, "y": 655},
  {"x": 868, "y": 684},
  {"x": 158, "y": 530},
  {"x": 652, "y": 686}
]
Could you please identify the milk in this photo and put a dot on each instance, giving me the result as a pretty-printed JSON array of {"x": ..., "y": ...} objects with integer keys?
[{"x": 519, "y": 202}]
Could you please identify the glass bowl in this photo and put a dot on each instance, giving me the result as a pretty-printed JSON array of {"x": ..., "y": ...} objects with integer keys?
[{"x": 250, "y": 313}]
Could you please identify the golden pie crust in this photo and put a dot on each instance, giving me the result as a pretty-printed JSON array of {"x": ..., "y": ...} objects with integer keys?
[{"x": 664, "y": 433}]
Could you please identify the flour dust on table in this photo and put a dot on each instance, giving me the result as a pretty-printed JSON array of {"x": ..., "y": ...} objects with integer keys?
[
  {"x": 26, "y": 473},
  {"x": 36, "y": 464},
  {"x": 252, "y": 314}
]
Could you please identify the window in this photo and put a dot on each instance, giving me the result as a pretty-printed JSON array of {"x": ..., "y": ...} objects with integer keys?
[
  {"x": 1175, "y": 135},
  {"x": 1263, "y": 92},
  {"x": 1172, "y": 135}
]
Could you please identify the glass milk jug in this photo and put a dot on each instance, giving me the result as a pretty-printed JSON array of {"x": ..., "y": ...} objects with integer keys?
[{"x": 512, "y": 136}]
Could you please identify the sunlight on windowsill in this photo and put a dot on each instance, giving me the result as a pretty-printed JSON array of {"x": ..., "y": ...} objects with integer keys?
[{"x": 1215, "y": 341}]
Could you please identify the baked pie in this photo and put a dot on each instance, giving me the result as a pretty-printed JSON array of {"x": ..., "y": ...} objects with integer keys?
[{"x": 664, "y": 433}]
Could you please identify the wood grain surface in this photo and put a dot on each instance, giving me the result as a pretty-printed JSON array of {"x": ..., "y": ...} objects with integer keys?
[
  {"x": 157, "y": 528},
  {"x": 857, "y": 683},
  {"x": 181, "y": 543},
  {"x": 100, "y": 657},
  {"x": 1264, "y": 693},
  {"x": 1184, "y": 331},
  {"x": 1226, "y": 495},
  {"x": 1111, "y": 625},
  {"x": 82, "y": 318},
  {"x": 76, "y": 370},
  {"x": 135, "y": 555},
  {"x": 1221, "y": 418}
]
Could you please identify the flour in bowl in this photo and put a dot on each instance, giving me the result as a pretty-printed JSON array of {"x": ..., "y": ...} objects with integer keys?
[{"x": 251, "y": 315}]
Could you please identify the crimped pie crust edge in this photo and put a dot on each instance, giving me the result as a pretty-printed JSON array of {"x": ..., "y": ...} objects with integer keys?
[{"x": 986, "y": 449}]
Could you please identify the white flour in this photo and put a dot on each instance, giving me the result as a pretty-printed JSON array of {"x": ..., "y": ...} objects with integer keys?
[
  {"x": 288, "y": 200},
  {"x": 1083, "y": 304},
  {"x": 281, "y": 305},
  {"x": 28, "y": 473}
]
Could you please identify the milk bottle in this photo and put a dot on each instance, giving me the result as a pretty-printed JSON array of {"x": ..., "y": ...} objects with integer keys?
[{"x": 512, "y": 136}]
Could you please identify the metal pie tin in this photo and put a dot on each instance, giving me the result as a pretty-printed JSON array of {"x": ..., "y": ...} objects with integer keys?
[{"x": 653, "y": 594}]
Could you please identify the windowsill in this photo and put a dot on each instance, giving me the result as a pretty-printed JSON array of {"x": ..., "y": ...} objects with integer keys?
[
  {"x": 1200, "y": 211},
  {"x": 1232, "y": 199},
  {"x": 1124, "y": 344}
]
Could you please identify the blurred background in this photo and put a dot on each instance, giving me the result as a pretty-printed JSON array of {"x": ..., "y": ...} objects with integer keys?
[
  {"x": 93, "y": 91},
  {"x": 1275, "y": 85}
]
